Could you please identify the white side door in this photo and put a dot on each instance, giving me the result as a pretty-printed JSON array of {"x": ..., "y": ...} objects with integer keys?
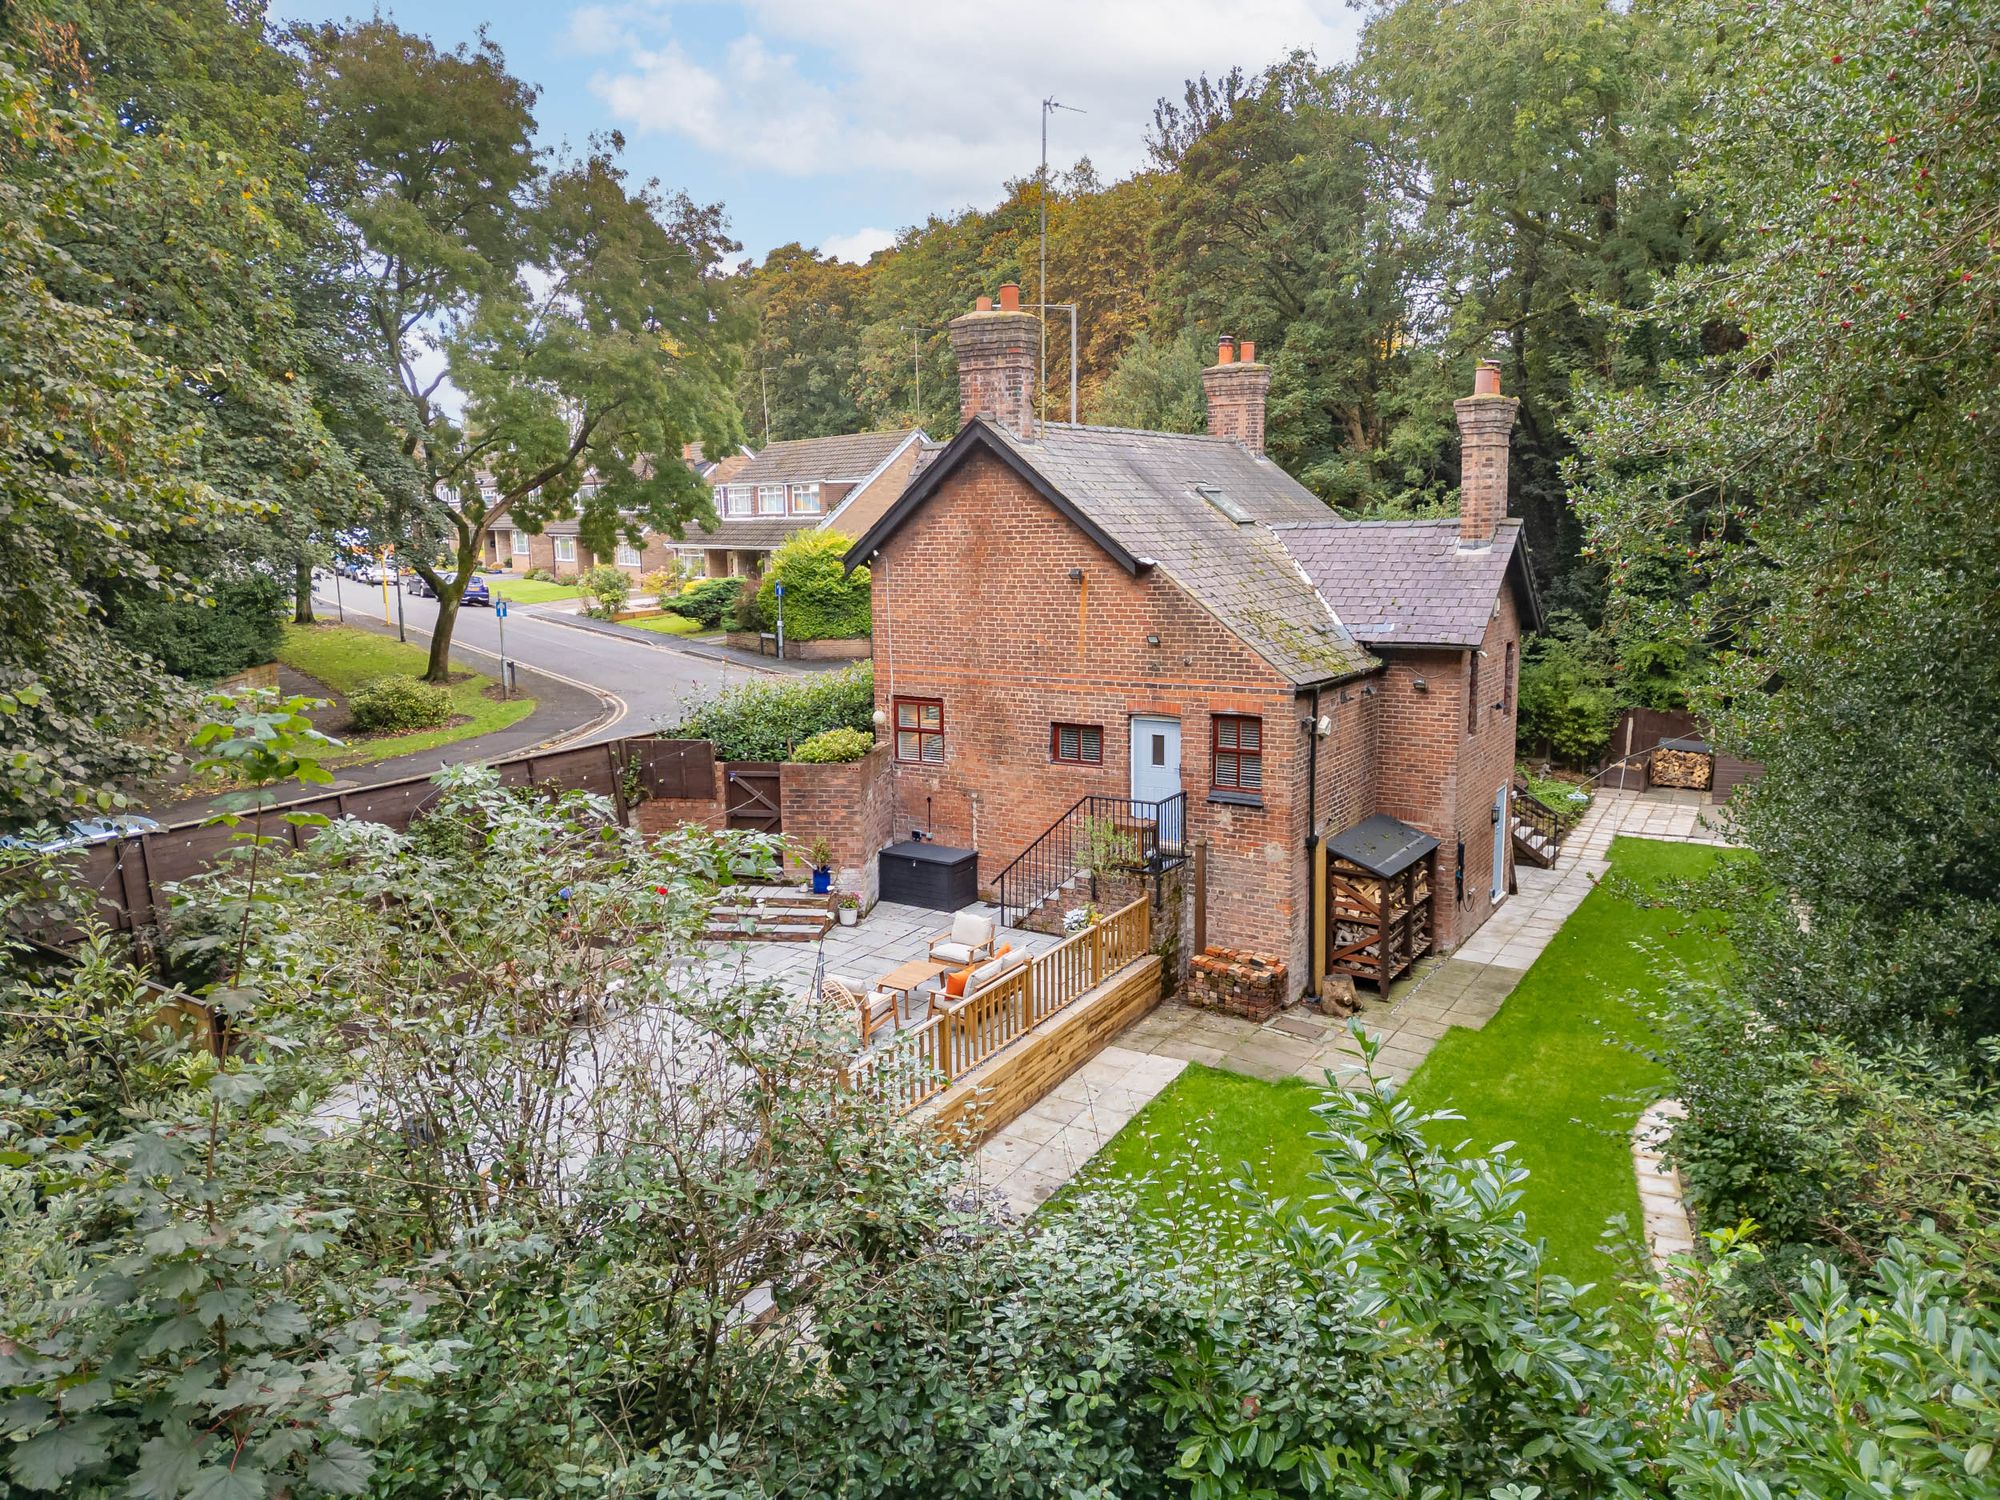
[
  {"x": 1156, "y": 766},
  {"x": 1503, "y": 836}
]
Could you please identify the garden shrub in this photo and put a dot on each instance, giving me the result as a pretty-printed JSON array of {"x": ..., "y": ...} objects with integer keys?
[
  {"x": 770, "y": 720},
  {"x": 1567, "y": 706},
  {"x": 609, "y": 588},
  {"x": 748, "y": 612},
  {"x": 834, "y": 747},
  {"x": 662, "y": 584},
  {"x": 705, "y": 601},
  {"x": 241, "y": 627},
  {"x": 823, "y": 602},
  {"x": 539, "y": 575},
  {"x": 391, "y": 705}
]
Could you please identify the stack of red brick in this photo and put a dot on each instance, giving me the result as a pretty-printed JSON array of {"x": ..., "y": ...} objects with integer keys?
[{"x": 1237, "y": 983}]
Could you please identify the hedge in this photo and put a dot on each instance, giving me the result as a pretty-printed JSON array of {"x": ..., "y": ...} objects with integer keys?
[
  {"x": 706, "y": 601},
  {"x": 395, "y": 704},
  {"x": 240, "y": 628},
  {"x": 834, "y": 747},
  {"x": 770, "y": 720}
]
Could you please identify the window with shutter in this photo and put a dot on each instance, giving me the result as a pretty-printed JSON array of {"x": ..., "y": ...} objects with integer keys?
[
  {"x": 1077, "y": 744},
  {"x": 1237, "y": 754},
  {"x": 920, "y": 730}
]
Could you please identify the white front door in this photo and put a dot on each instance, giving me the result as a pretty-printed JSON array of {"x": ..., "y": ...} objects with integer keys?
[
  {"x": 1156, "y": 773},
  {"x": 1503, "y": 835}
]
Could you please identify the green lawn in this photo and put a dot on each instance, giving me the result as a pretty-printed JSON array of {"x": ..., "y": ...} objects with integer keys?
[
  {"x": 526, "y": 590},
  {"x": 667, "y": 624},
  {"x": 1548, "y": 1073},
  {"x": 343, "y": 658}
]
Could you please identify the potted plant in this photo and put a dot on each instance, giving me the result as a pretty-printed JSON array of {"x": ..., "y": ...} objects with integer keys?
[
  {"x": 848, "y": 908},
  {"x": 819, "y": 854}
]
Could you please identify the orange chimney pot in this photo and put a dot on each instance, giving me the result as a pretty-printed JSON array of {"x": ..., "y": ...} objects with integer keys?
[
  {"x": 1010, "y": 297},
  {"x": 1247, "y": 352},
  {"x": 1225, "y": 350},
  {"x": 1486, "y": 379}
]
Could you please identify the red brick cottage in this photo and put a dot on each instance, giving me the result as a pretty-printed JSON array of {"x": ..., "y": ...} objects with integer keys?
[{"x": 1063, "y": 611}]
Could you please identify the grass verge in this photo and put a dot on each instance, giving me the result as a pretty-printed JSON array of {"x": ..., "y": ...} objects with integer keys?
[
  {"x": 1556, "y": 1072},
  {"x": 343, "y": 658},
  {"x": 526, "y": 590},
  {"x": 667, "y": 624}
]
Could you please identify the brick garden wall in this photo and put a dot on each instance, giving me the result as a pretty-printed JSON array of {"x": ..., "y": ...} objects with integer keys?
[{"x": 974, "y": 606}]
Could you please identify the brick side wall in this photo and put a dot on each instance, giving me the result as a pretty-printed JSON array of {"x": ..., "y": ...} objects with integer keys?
[
  {"x": 852, "y": 806},
  {"x": 1435, "y": 776},
  {"x": 1485, "y": 764},
  {"x": 974, "y": 606},
  {"x": 662, "y": 814}
]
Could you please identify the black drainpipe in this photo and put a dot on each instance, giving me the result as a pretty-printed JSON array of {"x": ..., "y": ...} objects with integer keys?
[{"x": 1312, "y": 838}]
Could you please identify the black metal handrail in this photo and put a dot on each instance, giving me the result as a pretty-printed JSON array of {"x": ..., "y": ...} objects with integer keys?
[
  {"x": 1099, "y": 835},
  {"x": 1538, "y": 815}
]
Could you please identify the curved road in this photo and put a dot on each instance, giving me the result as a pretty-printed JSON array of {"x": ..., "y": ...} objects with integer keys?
[{"x": 651, "y": 684}]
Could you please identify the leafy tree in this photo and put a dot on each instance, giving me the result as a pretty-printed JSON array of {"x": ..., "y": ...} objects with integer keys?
[
  {"x": 97, "y": 467},
  {"x": 1826, "y": 473},
  {"x": 234, "y": 627},
  {"x": 803, "y": 366},
  {"x": 575, "y": 315},
  {"x": 1534, "y": 145},
  {"x": 1283, "y": 227},
  {"x": 1156, "y": 385}
]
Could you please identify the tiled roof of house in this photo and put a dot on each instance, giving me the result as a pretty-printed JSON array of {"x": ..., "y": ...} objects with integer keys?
[
  {"x": 846, "y": 459},
  {"x": 1406, "y": 583},
  {"x": 1161, "y": 496},
  {"x": 747, "y": 533}
]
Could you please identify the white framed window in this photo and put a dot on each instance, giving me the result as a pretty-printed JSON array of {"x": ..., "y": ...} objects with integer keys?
[
  {"x": 732, "y": 500},
  {"x": 770, "y": 499},
  {"x": 628, "y": 555},
  {"x": 565, "y": 549},
  {"x": 694, "y": 562},
  {"x": 805, "y": 500},
  {"x": 520, "y": 542}
]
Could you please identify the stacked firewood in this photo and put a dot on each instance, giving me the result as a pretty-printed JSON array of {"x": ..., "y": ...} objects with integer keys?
[{"x": 1694, "y": 769}]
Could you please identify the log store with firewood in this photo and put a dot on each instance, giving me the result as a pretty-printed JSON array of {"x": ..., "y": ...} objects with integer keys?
[{"x": 1378, "y": 906}]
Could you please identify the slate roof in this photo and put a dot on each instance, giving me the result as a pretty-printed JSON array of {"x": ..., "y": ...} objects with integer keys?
[
  {"x": 846, "y": 459},
  {"x": 1382, "y": 845},
  {"x": 1408, "y": 583}
]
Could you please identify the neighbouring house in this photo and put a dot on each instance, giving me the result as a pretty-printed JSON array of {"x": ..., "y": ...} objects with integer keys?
[
  {"x": 558, "y": 548},
  {"x": 1173, "y": 623},
  {"x": 842, "y": 483}
]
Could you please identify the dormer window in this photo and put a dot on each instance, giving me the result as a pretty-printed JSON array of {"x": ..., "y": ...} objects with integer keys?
[{"x": 1214, "y": 495}]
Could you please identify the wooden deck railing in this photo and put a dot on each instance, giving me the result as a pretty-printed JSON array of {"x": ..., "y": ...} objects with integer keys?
[{"x": 922, "y": 1060}]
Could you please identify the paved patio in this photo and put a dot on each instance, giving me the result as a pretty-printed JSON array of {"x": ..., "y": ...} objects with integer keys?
[{"x": 887, "y": 936}]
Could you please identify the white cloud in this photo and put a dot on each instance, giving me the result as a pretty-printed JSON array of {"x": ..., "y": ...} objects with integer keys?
[
  {"x": 946, "y": 92},
  {"x": 858, "y": 246}
]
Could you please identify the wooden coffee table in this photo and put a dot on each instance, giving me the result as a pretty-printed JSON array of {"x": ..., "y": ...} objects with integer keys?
[{"x": 905, "y": 977}]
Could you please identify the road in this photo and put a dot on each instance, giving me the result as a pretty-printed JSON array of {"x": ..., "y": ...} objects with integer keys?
[{"x": 651, "y": 684}]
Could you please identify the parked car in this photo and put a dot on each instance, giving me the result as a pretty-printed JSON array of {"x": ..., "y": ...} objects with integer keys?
[
  {"x": 476, "y": 592},
  {"x": 418, "y": 589},
  {"x": 81, "y": 833}
]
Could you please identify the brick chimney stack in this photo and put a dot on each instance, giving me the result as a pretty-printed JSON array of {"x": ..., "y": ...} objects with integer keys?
[
  {"x": 1236, "y": 386},
  {"x": 1485, "y": 430},
  {"x": 996, "y": 349}
]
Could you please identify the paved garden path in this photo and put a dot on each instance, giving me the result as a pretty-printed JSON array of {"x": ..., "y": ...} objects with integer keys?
[{"x": 1465, "y": 988}]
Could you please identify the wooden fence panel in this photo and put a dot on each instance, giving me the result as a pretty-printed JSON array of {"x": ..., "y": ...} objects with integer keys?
[{"x": 680, "y": 769}]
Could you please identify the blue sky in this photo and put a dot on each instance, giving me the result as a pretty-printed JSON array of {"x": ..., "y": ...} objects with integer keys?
[{"x": 838, "y": 122}]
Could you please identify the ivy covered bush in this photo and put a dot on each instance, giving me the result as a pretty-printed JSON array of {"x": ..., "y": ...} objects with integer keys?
[
  {"x": 823, "y": 602},
  {"x": 770, "y": 720},
  {"x": 834, "y": 747},
  {"x": 238, "y": 626},
  {"x": 394, "y": 704}
]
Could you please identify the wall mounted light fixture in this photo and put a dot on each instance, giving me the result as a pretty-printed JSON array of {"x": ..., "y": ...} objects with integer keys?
[{"x": 1420, "y": 684}]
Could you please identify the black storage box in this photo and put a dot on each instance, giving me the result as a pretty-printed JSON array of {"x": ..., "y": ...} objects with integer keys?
[{"x": 932, "y": 875}]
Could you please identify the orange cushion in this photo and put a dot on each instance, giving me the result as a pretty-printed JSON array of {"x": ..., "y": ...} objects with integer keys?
[
  {"x": 954, "y": 983},
  {"x": 1003, "y": 948}
]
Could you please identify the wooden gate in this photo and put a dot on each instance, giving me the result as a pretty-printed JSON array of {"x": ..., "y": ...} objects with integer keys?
[{"x": 752, "y": 793}]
